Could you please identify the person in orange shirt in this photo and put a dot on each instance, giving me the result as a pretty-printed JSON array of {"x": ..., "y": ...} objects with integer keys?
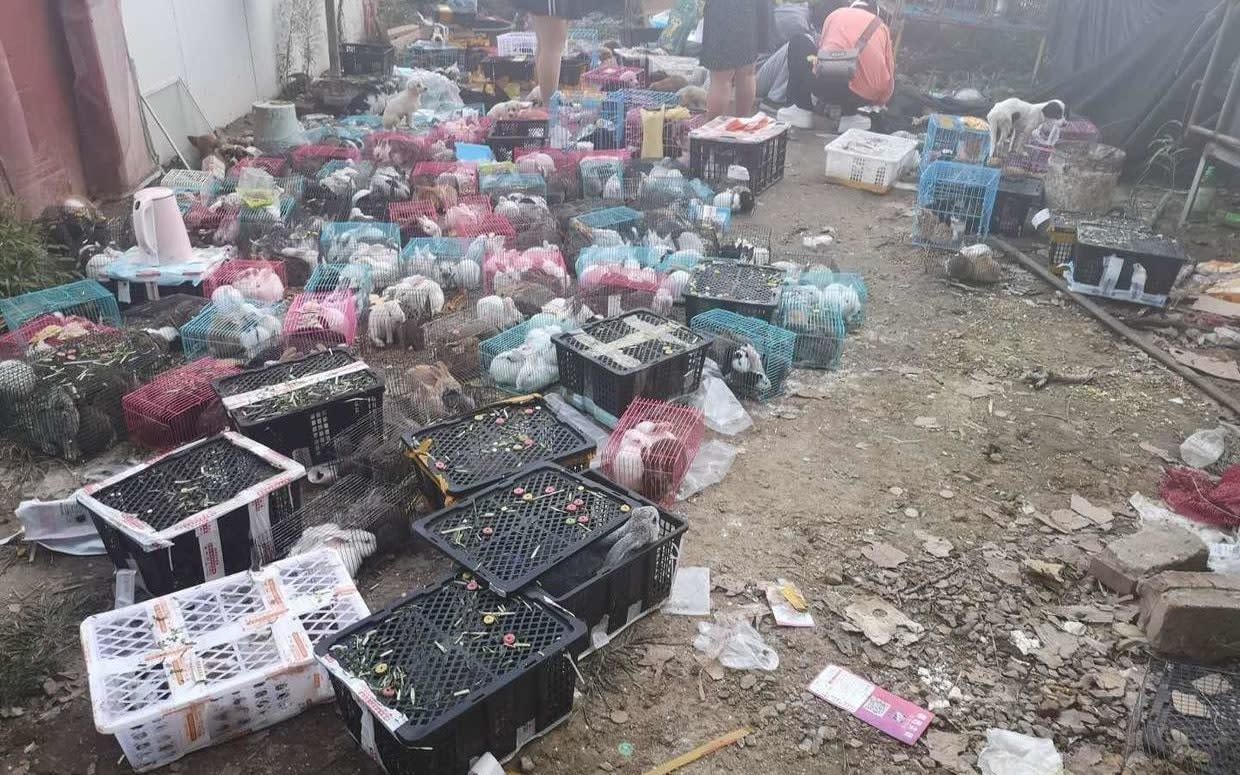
[{"x": 842, "y": 29}]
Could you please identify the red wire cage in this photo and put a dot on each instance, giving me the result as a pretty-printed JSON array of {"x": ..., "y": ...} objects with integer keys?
[
  {"x": 178, "y": 406},
  {"x": 652, "y": 447}
]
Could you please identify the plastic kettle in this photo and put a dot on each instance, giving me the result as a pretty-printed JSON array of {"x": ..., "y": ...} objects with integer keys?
[{"x": 158, "y": 227}]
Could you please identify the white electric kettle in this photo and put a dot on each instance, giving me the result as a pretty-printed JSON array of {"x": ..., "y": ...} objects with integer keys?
[{"x": 158, "y": 227}]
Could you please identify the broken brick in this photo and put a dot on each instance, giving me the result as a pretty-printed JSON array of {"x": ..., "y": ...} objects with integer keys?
[
  {"x": 1192, "y": 615},
  {"x": 1154, "y": 549}
]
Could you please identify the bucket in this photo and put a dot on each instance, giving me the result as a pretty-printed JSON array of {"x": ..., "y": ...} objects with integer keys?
[{"x": 1081, "y": 176}]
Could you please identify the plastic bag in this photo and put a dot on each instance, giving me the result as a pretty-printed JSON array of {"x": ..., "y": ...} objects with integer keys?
[
  {"x": 735, "y": 644},
  {"x": 721, "y": 409},
  {"x": 486, "y": 765},
  {"x": 1011, "y": 753},
  {"x": 1204, "y": 447},
  {"x": 713, "y": 461}
]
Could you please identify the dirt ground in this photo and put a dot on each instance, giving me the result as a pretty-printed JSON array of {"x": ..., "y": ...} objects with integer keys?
[{"x": 927, "y": 432}]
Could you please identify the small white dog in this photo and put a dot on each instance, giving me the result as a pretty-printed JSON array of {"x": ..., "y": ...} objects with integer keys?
[
  {"x": 1013, "y": 120},
  {"x": 402, "y": 106}
]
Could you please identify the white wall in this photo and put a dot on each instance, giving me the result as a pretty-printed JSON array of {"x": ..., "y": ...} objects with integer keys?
[{"x": 224, "y": 50}]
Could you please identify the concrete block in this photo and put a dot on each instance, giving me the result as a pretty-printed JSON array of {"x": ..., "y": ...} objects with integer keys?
[
  {"x": 1194, "y": 616},
  {"x": 1151, "y": 550}
]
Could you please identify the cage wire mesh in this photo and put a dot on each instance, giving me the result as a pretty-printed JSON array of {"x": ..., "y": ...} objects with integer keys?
[
  {"x": 178, "y": 406},
  {"x": 608, "y": 290},
  {"x": 660, "y": 188},
  {"x": 354, "y": 279},
  {"x": 819, "y": 327},
  {"x": 652, "y": 447},
  {"x": 843, "y": 291},
  {"x": 962, "y": 139},
  {"x": 415, "y": 218},
  {"x": 754, "y": 355},
  {"x": 576, "y": 118},
  {"x": 254, "y": 279},
  {"x": 362, "y": 242},
  {"x": 602, "y": 177},
  {"x": 497, "y": 184},
  {"x": 456, "y": 338},
  {"x": 460, "y": 175},
  {"x": 398, "y": 149},
  {"x": 446, "y": 260},
  {"x": 522, "y": 359},
  {"x": 611, "y": 226},
  {"x": 309, "y": 159},
  {"x": 531, "y": 220},
  {"x": 954, "y": 202},
  {"x": 748, "y": 243},
  {"x": 1185, "y": 715},
  {"x": 273, "y": 165},
  {"x": 173, "y": 310},
  {"x": 746, "y": 289},
  {"x": 191, "y": 182},
  {"x": 320, "y": 321},
  {"x": 82, "y": 299},
  {"x": 505, "y": 270},
  {"x": 64, "y": 399},
  {"x": 613, "y": 77},
  {"x": 242, "y": 332},
  {"x": 671, "y": 133},
  {"x": 486, "y": 225}
]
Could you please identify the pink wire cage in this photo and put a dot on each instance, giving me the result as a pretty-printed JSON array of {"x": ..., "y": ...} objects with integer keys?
[
  {"x": 462, "y": 175},
  {"x": 398, "y": 149},
  {"x": 506, "y": 270},
  {"x": 612, "y": 77},
  {"x": 321, "y": 320},
  {"x": 249, "y": 276},
  {"x": 308, "y": 159},
  {"x": 178, "y": 406},
  {"x": 272, "y": 165},
  {"x": 652, "y": 447}
]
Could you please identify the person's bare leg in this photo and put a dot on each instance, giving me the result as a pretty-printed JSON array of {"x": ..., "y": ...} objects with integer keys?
[
  {"x": 719, "y": 98},
  {"x": 746, "y": 90},
  {"x": 552, "y": 33}
]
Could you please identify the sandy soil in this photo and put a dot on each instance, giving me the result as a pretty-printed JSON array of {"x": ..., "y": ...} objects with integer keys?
[{"x": 822, "y": 475}]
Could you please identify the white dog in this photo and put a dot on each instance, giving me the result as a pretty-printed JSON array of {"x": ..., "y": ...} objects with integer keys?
[
  {"x": 1013, "y": 120},
  {"x": 402, "y": 106}
]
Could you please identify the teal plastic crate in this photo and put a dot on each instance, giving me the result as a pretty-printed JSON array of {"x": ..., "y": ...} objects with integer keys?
[{"x": 776, "y": 348}]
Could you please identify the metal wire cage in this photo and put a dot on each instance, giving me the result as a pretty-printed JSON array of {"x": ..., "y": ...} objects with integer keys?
[
  {"x": 747, "y": 243},
  {"x": 954, "y": 203},
  {"x": 354, "y": 279},
  {"x": 956, "y": 138},
  {"x": 340, "y": 242},
  {"x": 444, "y": 260},
  {"x": 83, "y": 298},
  {"x": 456, "y": 340},
  {"x": 505, "y": 270},
  {"x": 178, "y": 406},
  {"x": 253, "y": 278},
  {"x": 320, "y": 321},
  {"x": 602, "y": 177},
  {"x": 516, "y": 362},
  {"x": 244, "y": 333},
  {"x": 755, "y": 356},
  {"x": 585, "y": 118},
  {"x": 613, "y": 77},
  {"x": 1184, "y": 716},
  {"x": 191, "y": 182},
  {"x": 461, "y": 175},
  {"x": 818, "y": 325},
  {"x": 501, "y": 183},
  {"x": 652, "y": 447},
  {"x": 673, "y": 134},
  {"x": 844, "y": 291}
]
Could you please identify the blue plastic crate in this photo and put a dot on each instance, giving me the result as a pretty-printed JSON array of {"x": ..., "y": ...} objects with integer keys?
[
  {"x": 818, "y": 323},
  {"x": 776, "y": 347},
  {"x": 645, "y": 98},
  {"x": 213, "y": 334},
  {"x": 332, "y": 237},
  {"x": 954, "y": 204},
  {"x": 357, "y": 278},
  {"x": 593, "y": 255},
  {"x": 85, "y": 298},
  {"x": 501, "y": 183},
  {"x": 948, "y": 138},
  {"x": 574, "y": 119}
]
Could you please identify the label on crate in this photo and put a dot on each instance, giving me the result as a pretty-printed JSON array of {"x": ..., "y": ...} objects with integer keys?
[
  {"x": 122, "y": 292},
  {"x": 292, "y": 385},
  {"x": 211, "y": 550},
  {"x": 525, "y": 732},
  {"x": 642, "y": 333},
  {"x": 260, "y": 528},
  {"x": 367, "y": 739},
  {"x": 1040, "y": 217}
]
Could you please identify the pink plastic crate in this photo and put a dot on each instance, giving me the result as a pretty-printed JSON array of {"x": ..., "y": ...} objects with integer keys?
[
  {"x": 178, "y": 406},
  {"x": 321, "y": 320},
  {"x": 309, "y": 158},
  {"x": 609, "y": 78},
  {"x": 652, "y": 447},
  {"x": 272, "y": 165},
  {"x": 249, "y": 277},
  {"x": 506, "y": 270},
  {"x": 397, "y": 149},
  {"x": 464, "y": 174}
]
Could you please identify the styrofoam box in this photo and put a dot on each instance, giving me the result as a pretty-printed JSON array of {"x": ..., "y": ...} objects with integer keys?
[
  {"x": 225, "y": 658},
  {"x": 869, "y": 161},
  {"x": 515, "y": 43}
]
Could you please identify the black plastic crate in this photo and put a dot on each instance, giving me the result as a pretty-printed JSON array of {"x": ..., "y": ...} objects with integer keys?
[
  {"x": 464, "y": 455},
  {"x": 509, "y": 134},
  {"x": 367, "y": 59},
  {"x": 173, "y": 310},
  {"x": 299, "y": 407},
  {"x": 1162, "y": 257},
  {"x": 1181, "y": 714},
  {"x": 197, "y": 513},
  {"x": 608, "y": 599},
  {"x": 572, "y": 68},
  {"x": 514, "y": 68},
  {"x": 130, "y": 294},
  {"x": 1016, "y": 199},
  {"x": 611, "y": 362},
  {"x": 452, "y": 672},
  {"x": 709, "y": 159},
  {"x": 745, "y": 289},
  {"x": 516, "y": 530}
]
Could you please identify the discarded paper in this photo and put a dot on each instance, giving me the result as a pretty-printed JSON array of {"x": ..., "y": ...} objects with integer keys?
[{"x": 886, "y": 712}]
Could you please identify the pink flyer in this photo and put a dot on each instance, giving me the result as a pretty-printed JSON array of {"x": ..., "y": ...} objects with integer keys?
[{"x": 872, "y": 704}]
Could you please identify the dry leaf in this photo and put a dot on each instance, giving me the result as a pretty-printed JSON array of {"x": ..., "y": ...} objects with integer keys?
[{"x": 882, "y": 622}]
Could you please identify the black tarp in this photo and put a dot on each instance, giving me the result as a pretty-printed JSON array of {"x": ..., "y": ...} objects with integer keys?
[
  {"x": 1082, "y": 33},
  {"x": 1147, "y": 80}
]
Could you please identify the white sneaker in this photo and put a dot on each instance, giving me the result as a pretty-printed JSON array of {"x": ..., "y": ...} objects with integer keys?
[{"x": 798, "y": 117}]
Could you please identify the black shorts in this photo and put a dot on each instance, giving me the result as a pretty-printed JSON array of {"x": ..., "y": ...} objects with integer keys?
[{"x": 570, "y": 9}]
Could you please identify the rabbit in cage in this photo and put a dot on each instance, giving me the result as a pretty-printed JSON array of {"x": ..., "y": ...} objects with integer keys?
[
  {"x": 641, "y": 529},
  {"x": 740, "y": 363},
  {"x": 436, "y": 393},
  {"x": 54, "y": 423}
]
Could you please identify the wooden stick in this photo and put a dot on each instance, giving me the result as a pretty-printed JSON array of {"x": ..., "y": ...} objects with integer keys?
[{"x": 697, "y": 753}]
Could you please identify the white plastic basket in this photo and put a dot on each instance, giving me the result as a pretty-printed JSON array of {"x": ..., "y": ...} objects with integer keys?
[
  {"x": 869, "y": 161},
  {"x": 216, "y": 661},
  {"x": 515, "y": 43}
]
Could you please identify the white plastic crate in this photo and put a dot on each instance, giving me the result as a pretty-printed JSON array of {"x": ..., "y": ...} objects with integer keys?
[
  {"x": 515, "y": 43},
  {"x": 219, "y": 660},
  {"x": 869, "y": 161}
]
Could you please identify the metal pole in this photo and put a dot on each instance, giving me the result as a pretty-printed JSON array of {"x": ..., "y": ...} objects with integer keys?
[
  {"x": 1191, "y": 199},
  {"x": 164, "y": 130},
  {"x": 1212, "y": 65},
  {"x": 333, "y": 39},
  {"x": 1215, "y": 137}
]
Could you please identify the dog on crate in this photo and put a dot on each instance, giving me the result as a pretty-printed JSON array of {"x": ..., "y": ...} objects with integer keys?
[
  {"x": 1013, "y": 120},
  {"x": 402, "y": 106}
]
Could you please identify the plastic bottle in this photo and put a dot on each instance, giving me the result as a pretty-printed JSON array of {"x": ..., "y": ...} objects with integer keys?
[{"x": 1203, "y": 205}]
